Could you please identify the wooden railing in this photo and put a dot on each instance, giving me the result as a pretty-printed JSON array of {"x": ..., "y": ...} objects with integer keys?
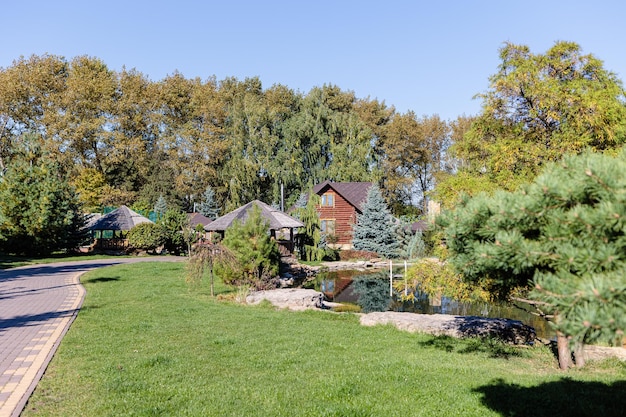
[{"x": 112, "y": 244}]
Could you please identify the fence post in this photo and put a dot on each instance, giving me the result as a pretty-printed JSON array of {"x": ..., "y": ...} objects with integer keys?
[{"x": 390, "y": 278}]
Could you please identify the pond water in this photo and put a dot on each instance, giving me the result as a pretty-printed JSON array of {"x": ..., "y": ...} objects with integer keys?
[{"x": 370, "y": 291}]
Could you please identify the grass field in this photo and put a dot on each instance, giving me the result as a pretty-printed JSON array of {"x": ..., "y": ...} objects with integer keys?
[{"x": 145, "y": 344}]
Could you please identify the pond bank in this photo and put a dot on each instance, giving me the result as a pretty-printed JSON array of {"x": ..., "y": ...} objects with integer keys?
[{"x": 510, "y": 331}]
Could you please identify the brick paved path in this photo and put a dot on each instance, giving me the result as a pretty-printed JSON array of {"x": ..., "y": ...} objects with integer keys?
[{"x": 37, "y": 305}]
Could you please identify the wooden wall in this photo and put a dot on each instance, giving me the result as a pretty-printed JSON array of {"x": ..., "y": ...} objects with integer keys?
[{"x": 344, "y": 215}]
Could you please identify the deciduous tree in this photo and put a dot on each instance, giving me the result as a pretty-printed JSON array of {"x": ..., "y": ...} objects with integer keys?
[{"x": 538, "y": 108}]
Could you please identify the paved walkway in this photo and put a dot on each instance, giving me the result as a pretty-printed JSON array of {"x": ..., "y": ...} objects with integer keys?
[{"x": 37, "y": 306}]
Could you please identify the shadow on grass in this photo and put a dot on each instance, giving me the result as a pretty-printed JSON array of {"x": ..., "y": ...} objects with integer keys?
[
  {"x": 565, "y": 397},
  {"x": 100, "y": 279},
  {"x": 493, "y": 347}
]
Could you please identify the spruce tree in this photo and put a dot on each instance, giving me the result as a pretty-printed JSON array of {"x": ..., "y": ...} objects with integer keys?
[
  {"x": 160, "y": 207},
  {"x": 375, "y": 229},
  {"x": 560, "y": 241},
  {"x": 208, "y": 207}
]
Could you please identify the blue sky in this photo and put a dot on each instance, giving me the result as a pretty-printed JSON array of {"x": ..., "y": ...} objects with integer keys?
[{"x": 429, "y": 57}]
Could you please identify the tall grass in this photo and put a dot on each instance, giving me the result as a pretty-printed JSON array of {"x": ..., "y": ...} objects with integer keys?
[{"x": 145, "y": 344}]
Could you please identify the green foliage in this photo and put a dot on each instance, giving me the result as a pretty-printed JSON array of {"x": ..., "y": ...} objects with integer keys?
[
  {"x": 160, "y": 207},
  {"x": 538, "y": 108},
  {"x": 562, "y": 239},
  {"x": 310, "y": 244},
  {"x": 89, "y": 185},
  {"x": 147, "y": 236},
  {"x": 256, "y": 252},
  {"x": 410, "y": 244},
  {"x": 208, "y": 207},
  {"x": 204, "y": 257},
  {"x": 176, "y": 223},
  {"x": 431, "y": 276},
  {"x": 375, "y": 229},
  {"x": 39, "y": 211}
]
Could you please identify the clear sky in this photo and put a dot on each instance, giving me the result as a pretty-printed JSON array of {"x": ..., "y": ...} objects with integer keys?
[{"x": 430, "y": 57}]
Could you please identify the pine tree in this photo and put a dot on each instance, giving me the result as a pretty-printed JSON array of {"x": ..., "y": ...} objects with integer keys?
[
  {"x": 208, "y": 207},
  {"x": 375, "y": 229},
  {"x": 561, "y": 241},
  {"x": 256, "y": 252},
  {"x": 39, "y": 211}
]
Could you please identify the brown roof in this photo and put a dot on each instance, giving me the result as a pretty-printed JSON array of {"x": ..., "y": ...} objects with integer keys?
[
  {"x": 354, "y": 193},
  {"x": 198, "y": 218},
  {"x": 121, "y": 218},
  {"x": 277, "y": 219}
]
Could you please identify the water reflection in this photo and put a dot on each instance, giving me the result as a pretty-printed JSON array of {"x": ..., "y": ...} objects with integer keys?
[{"x": 370, "y": 290}]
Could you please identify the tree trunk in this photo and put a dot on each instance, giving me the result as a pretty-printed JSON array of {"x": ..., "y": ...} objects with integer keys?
[
  {"x": 579, "y": 354},
  {"x": 565, "y": 356}
]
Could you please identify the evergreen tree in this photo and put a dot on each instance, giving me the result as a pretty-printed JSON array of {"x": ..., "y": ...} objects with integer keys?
[
  {"x": 160, "y": 207},
  {"x": 256, "y": 252},
  {"x": 375, "y": 229},
  {"x": 175, "y": 223},
  {"x": 560, "y": 241},
  {"x": 208, "y": 207},
  {"x": 39, "y": 211}
]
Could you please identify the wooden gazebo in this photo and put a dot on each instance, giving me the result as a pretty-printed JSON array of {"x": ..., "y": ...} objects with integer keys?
[
  {"x": 281, "y": 224},
  {"x": 110, "y": 230}
]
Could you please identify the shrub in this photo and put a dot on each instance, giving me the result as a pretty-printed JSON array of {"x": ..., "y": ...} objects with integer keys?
[
  {"x": 257, "y": 254},
  {"x": 147, "y": 236}
]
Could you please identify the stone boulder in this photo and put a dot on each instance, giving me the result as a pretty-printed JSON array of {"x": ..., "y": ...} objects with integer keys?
[
  {"x": 510, "y": 331},
  {"x": 291, "y": 298}
]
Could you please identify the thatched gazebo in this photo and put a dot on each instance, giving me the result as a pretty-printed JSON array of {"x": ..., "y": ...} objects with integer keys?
[
  {"x": 110, "y": 230},
  {"x": 279, "y": 223}
]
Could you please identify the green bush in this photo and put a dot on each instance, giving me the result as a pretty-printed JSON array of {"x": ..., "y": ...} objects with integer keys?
[{"x": 147, "y": 236}]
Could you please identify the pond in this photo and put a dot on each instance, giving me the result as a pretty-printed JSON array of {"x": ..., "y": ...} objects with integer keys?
[{"x": 370, "y": 291}]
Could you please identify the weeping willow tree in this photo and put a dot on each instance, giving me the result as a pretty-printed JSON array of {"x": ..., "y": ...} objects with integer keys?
[
  {"x": 205, "y": 256},
  {"x": 310, "y": 237}
]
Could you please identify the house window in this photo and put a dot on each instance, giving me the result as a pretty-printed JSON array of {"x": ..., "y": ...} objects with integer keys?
[
  {"x": 328, "y": 200},
  {"x": 327, "y": 226}
]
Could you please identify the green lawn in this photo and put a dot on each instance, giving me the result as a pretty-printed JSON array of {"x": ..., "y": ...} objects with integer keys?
[{"x": 145, "y": 344}]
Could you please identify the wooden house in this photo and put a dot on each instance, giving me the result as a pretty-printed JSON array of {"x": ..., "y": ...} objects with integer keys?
[{"x": 340, "y": 202}]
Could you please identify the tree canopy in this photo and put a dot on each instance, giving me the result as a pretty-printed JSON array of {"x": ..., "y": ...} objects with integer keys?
[
  {"x": 538, "y": 108},
  {"x": 560, "y": 241},
  {"x": 129, "y": 140}
]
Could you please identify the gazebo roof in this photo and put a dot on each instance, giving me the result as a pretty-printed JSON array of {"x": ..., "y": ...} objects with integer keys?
[
  {"x": 277, "y": 219},
  {"x": 198, "y": 218},
  {"x": 121, "y": 218}
]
